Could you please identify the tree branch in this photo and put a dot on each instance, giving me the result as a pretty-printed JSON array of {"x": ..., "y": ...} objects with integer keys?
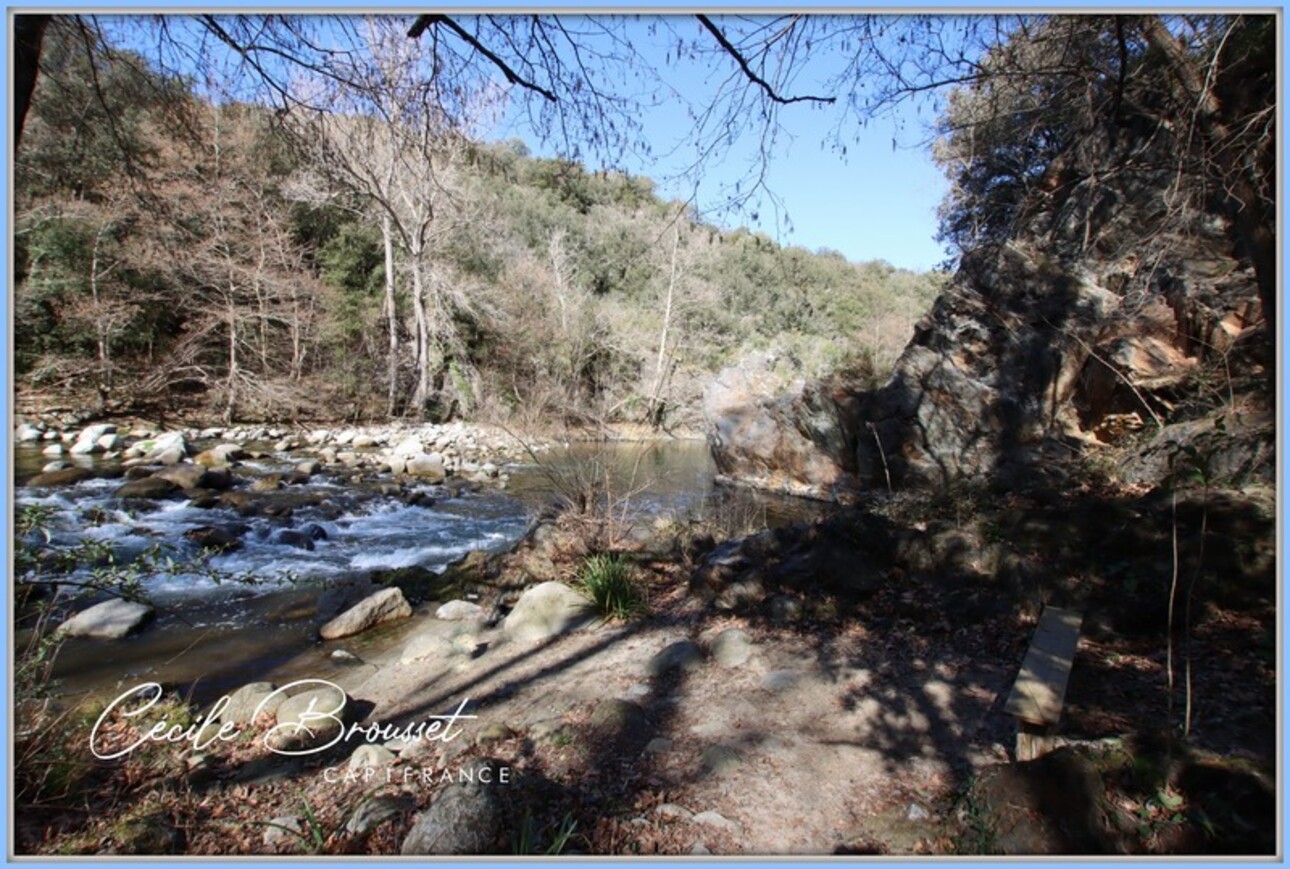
[
  {"x": 424, "y": 22},
  {"x": 748, "y": 72}
]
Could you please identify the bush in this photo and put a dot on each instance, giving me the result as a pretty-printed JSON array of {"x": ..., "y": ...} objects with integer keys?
[{"x": 608, "y": 580}]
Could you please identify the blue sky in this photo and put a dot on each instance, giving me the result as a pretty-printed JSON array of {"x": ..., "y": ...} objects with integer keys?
[{"x": 878, "y": 202}]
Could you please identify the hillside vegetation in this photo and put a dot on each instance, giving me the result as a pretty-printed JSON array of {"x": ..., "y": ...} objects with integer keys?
[{"x": 178, "y": 255}]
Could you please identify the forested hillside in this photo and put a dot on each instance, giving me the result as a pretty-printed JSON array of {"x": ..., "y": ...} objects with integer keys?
[{"x": 178, "y": 255}]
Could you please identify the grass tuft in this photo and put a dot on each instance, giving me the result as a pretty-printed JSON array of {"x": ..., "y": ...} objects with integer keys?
[{"x": 607, "y": 579}]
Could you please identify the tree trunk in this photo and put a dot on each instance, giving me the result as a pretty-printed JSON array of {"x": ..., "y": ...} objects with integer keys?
[
  {"x": 391, "y": 315},
  {"x": 232, "y": 360},
  {"x": 657, "y": 405},
  {"x": 422, "y": 393},
  {"x": 29, "y": 34},
  {"x": 100, "y": 323}
]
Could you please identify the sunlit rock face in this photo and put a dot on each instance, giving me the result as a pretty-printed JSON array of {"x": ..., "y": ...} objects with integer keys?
[
  {"x": 801, "y": 442},
  {"x": 1061, "y": 342}
]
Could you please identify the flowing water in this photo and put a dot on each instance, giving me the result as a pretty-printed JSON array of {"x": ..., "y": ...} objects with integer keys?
[{"x": 211, "y": 636}]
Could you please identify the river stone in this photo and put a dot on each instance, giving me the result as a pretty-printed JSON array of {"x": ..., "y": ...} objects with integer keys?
[
  {"x": 425, "y": 465},
  {"x": 620, "y": 724},
  {"x": 459, "y": 610},
  {"x": 167, "y": 446},
  {"x": 329, "y": 709},
  {"x": 364, "y": 441},
  {"x": 309, "y": 467},
  {"x": 147, "y": 487},
  {"x": 292, "y": 537},
  {"x": 27, "y": 433},
  {"x": 495, "y": 731},
  {"x": 53, "y": 450},
  {"x": 380, "y": 607},
  {"x": 547, "y": 610},
  {"x": 731, "y": 647},
  {"x": 370, "y": 755},
  {"x": 214, "y": 537},
  {"x": 185, "y": 476},
  {"x": 267, "y": 483},
  {"x": 681, "y": 655},
  {"x": 468, "y": 817},
  {"x": 785, "y": 609},
  {"x": 87, "y": 441},
  {"x": 713, "y": 819},
  {"x": 275, "y": 836},
  {"x": 408, "y": 447},
  {"x": 255, "y": 697},
  {"x": 110, "y": 620},
  {"x": 171, "y": 456},
  {"x": 373, "y": 812},
  {"x": 57, "y": 465},
  {"x": 220, "y": 456},
  {"x": 110, "y": 442},
  {"x": 65, "y": 477},
  {"x": 721, "y": 760},
  {"x": 217, "y": 479}
]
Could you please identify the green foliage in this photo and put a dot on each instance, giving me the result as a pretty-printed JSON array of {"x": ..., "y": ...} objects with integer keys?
[
  {"x": 607, "y": 579},
  {"x": 528, "y": 838},
  {"x": 550, "y": 280}
]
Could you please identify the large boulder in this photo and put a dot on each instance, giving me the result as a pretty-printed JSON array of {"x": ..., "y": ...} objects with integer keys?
[
  {"x": 547, "y": 610},
  {"x": 468, "y": 816},
  {"x": 256, "y": 698},
  {"x": 311, "y": 719},
  {"x": 110, "y": 620},
  {"x": 382, "y": 606},
  {"x": 796, "y": 442}
]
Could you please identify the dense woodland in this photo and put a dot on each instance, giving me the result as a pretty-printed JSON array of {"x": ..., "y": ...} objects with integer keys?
[{"x": 175, "y": 252}]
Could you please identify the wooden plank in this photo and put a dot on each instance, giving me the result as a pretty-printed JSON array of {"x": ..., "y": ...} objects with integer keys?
[{"x": 1040, "y": 689}]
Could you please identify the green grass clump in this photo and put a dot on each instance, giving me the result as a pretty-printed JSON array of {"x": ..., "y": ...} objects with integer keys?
[{"x": 608, "y": 581}]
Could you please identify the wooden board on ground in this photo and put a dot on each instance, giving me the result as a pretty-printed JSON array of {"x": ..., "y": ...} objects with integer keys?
[{"x": 1040, "y": 689}]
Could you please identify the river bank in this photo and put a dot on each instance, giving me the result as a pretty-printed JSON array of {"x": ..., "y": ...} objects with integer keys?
[{"x": 826, "y": 687}]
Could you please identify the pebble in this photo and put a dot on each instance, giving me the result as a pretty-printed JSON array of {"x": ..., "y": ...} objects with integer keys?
[
  {"x": 713, "y": 819},
  {"x": 779, "y": 680}
]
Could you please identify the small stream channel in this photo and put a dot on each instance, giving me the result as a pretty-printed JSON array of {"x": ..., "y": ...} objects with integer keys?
[{"x": 209, "y": 638}]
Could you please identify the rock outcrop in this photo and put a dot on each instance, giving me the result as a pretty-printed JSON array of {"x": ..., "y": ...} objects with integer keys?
[{"x": 1103, "y": 316}]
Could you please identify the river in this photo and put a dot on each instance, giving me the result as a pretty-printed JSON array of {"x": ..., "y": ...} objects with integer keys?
[{"x": 210, "y": 637}]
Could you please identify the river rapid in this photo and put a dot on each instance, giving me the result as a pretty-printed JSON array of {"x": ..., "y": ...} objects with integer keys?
[{"x": 209, "y": 636}]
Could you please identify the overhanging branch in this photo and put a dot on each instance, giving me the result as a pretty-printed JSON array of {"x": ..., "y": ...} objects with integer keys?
[
  {"x": 734, "y": 52},
  {"x": 424, "y": 22}
]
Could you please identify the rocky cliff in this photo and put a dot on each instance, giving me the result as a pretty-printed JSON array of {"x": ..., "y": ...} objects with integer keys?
[{"x": 1108, "y": 325}]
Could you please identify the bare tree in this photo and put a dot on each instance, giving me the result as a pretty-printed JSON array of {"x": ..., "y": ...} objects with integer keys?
[{"x": 383, "y": 136}]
